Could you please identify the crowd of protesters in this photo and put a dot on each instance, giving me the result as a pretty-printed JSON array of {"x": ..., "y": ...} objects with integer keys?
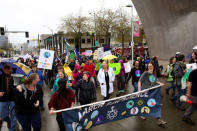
[{"x": 77, "y": 81}]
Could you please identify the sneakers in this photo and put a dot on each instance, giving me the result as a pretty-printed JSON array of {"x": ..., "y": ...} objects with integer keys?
[
  {"x": 189, "y": 121},
  {"x": 161, "y": 122}
]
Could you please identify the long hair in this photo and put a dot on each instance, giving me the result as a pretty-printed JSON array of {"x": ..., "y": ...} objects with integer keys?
[
  {"x": 30, "y": 79},
  {"x": 62, "y": 91},
  {"x": 171, "y": 60},
  {"x": 154, "y": 68}
]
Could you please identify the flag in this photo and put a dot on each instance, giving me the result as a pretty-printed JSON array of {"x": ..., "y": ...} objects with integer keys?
[
  {"x": 77, "y": 53},
  {"x": 66, "y": 49},
  {"x": 137, "y": 29}
]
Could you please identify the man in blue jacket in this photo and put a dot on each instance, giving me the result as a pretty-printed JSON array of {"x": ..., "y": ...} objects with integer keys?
[{"x": 41, "y": 77}]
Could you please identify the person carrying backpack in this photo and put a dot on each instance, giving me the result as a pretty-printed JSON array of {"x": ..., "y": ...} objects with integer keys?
[{"x": 179, "y": 70}]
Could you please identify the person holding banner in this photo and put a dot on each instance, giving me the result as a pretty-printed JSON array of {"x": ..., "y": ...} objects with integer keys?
[
  {"x": 63, "y": 98},
  {"x": 106, "y": 78},
  {"x": 147, "y": 80},
  {"x": 135, "y": 73},
  {"x": 87, "y": 90},
  {"x": 27, "y": 100},
  {"x": 191, "y": 93}
]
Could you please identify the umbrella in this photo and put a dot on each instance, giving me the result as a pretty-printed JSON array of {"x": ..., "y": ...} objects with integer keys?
[
  {"x": 8, "y": 60},
  {"x": 195, "y": 47},
  {"x": 109, "y": 57},
  {"x": 18, "y": 68}
]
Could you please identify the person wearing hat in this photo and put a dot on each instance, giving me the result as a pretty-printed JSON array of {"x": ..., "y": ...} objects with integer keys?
[
  {"x": 41, "y": 77},
  {"x": 87, "y": 90},
  {"x": 7, "y": 112}
]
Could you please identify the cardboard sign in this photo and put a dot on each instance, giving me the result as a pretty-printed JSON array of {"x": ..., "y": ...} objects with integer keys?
[
  {"x": 46, "y": 59},
  {"x": 88, "y": 52}
]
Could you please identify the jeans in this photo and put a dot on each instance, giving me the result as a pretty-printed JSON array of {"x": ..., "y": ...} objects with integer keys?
[
  {"x": 7, "y": 114},
  {"x": 135, "y": 85},
  {"x": 177, "y": 97},
  {"x": 121, "y": 82},
  {"x": 172, "y": 87},
  {"x": 69, "y": 127},
  {"x": 27, "y": 121},
  {"x": 192, "y": 108}
]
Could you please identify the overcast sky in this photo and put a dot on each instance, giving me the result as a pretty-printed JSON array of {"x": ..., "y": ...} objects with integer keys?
[{"x": 31, "y": 15}]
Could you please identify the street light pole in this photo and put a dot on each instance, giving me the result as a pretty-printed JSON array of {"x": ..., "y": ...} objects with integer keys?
[
  {"x": 94, "y": 28},
  {"x": 51, "y": 32},
  {"x": 132, "y": 42}
]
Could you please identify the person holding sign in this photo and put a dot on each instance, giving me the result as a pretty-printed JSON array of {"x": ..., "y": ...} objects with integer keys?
[
  {"x": 106, "y": 78},
  {"x": 148, "y": 80}
]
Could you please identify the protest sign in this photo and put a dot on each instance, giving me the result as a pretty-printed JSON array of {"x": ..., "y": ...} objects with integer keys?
[
  {"x": 127, "y": 67},
  {"x": 46, "y": 59},
  {"x": 116, "y": 67},
  {"x": 190, "y": 67},
  {"x": 144, "y": 103},
  {"x": 103, "y": 54},
  {"x": 88, "y": 52}
]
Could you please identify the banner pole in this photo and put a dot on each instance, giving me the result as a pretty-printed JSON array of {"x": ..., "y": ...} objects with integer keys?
[{"x": 102, "y": 102}]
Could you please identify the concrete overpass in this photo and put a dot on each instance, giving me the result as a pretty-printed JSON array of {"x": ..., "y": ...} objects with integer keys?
[{"x": 170, "y": 25}]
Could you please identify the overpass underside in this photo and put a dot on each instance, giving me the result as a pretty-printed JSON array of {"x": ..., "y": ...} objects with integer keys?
[{"x": 170, "y": 25}]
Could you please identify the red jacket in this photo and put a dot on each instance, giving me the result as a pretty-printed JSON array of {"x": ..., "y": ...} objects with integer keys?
[
  {"x": 62, "y": 102},
  {"x": 90, "y": 68}
]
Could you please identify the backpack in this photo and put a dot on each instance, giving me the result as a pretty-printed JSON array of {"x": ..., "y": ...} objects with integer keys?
[{"x": 178, "y": 70}]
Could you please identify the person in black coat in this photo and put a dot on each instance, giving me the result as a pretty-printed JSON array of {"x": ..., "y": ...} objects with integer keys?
[
  {"x": 87, "y": 90},
  {"x": 26, "y": 100}
]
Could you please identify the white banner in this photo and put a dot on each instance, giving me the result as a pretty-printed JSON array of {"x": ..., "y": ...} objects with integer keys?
[{"x": 46, "y": 59}]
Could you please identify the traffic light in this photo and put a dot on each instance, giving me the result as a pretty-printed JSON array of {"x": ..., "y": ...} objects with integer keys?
[
  {"x": 27, "y": 34},
  {"x": 27, "y": 41},
  {"x": 2, "y": 32}
]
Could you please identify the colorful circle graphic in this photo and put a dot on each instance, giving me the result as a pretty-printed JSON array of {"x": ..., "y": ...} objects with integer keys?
[
  {"x": 94, "y": 114},
  {"x": 138, "y": 73},
  {"x": 134, "y": 111},
  {"x": 140, "y": 102},
  {"x": 145, "y": 110},
  {"x": 124, "y": 113},
  {"x": 152, "y": 78},
  {"x": 89, "y": 125},
  {"x": 99, "y": 119},
  {"x": 85, "y": 122},
  {"x": 151, "y": 102},
  {"x": 47, "y": 54},
  {"x": 130, "y": 104}
]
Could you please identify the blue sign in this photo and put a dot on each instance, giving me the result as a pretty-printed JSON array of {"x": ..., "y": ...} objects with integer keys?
[{"x": 146, "y": 103}]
